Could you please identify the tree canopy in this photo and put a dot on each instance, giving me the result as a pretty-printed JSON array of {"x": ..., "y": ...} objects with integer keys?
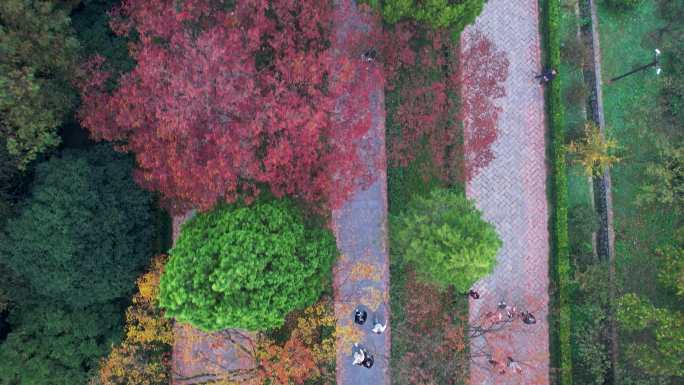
[
  {"x": 444, "y": 236},
  {"x": 455, "y": 15},
  {"x": 246, "y": 267},
  {"x": 660, "y": 348},
  {"x": 38, "y": 52},
  {"x": 84, "y": 232},
  {"x": 143, "y": 357},
  {"x": 224, "y": 98},
  {"x": 52, "y": 346}
]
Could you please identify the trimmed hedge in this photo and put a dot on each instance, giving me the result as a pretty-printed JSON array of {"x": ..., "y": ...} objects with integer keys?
[{"x": 560, "y": 257}]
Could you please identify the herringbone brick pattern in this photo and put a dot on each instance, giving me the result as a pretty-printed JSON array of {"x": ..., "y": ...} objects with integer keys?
[{"x": 511, "y": 191}]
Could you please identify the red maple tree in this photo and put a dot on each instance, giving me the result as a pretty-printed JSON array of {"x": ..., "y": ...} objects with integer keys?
[{"x": 227, "y": 99}]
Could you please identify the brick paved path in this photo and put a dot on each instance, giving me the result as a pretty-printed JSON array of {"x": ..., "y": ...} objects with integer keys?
[
  {"x": 360, "y": 224},
  {"x": 511, "y": 191}
]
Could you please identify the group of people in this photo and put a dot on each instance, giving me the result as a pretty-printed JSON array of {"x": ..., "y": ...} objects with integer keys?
[
  {"x": 510, "y": 313},
  {"x": 511, "y": 364},
  {"x": 363, "y": 357}
]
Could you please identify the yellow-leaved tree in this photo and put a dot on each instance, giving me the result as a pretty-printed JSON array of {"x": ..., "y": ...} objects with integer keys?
[
  {"x": 594, "y": 152},
  {"x": 144, "y": 355}
]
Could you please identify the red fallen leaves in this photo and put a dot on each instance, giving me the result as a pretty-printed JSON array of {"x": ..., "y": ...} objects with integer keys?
[
  {"x": 223, "y": 102},
  {"x": 484, "y": 69},
  {"x": 429, "y": 85},
  {"x": 435, "y": 339}
]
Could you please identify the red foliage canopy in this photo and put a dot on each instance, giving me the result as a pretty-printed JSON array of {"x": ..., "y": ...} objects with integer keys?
[{"x": 224, "y": 99}]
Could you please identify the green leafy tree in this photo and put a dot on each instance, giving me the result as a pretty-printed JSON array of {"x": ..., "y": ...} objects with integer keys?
[
  {"x": 452, "y": 14},
  {"x": 671, "y": 99},
  {"x": 591, "y": 358},
  {"x": 659, "y": 348},
  {"x": 583, "y": 222},
  {"x": 38, "y": 52},
  {"x": 9, "y": 175},
  {"x": 671, "y": 272},
  {"x": 444, "y": 236},
  {"x": 246, "y": 267},
  {"x": 51, "y": 346},
  {"x": 622, "y": 4},
  {"x": 85, "y": 231},
  {"x": 665, "y": 182}
]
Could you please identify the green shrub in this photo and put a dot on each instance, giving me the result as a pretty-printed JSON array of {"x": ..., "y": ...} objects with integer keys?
[
  {"x": 663, "y": 184},
  {"x": 452, "y": 14},
  {"x": 576, "y": 93},
  {"x": 590, "y": 352},
  {"x": 84, "y": 233},
  {"x": 622, "y": 4},
  {"x": 574, "y": 52},
  {"x": 583, "y": 221},
  {"x": 444, "y": 236},
  {"x": 246, "y": 267},
  {"x": 658, "y": 335}
]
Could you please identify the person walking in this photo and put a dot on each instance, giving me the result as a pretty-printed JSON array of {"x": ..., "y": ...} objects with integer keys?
[
  {"x": 547, "y": 75},
  {"x": 368, "y": 362},
  {"x": 362, "y": 356},
  {"x": 378, "y": 328},
  {"x": 528, "y": 318},
  {"x": 369, "y": 55},
  {"x": 360, "y": 316},
  {"x": 473, "y": 294},
  {"x": 496, "y": 365},
  {"x": 513, "y": 365},
  {"x": 359, "y": 357}
]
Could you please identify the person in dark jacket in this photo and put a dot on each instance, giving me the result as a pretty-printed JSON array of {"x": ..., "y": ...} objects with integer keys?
[
  {"x": 528, "y": 318},
  {"x": 547, "y": 75},
  {"x": 360, "y": 316},
  {"x": 473, "y": 294}
]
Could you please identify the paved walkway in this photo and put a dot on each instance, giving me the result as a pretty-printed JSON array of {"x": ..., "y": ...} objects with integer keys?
[
  {"x": 360, "y": 224},
  {"x": 511, "y": 191}
]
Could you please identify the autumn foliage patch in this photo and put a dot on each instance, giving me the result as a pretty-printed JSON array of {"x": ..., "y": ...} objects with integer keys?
[
  {"x": 422, "y": 88},
  {"x": 228, "y": 99},
  {"x": 484, "y": 70}
]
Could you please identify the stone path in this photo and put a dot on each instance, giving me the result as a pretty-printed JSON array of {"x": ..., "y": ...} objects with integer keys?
[
  {"x": 511, "y": 191},
  {"x": 360, "y": 224}
]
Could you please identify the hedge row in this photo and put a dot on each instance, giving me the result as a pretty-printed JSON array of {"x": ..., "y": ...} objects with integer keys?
[{"x": 560, "y": 257}]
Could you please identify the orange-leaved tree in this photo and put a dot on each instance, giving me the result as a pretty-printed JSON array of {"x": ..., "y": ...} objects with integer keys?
[{"x": 143, "y": 357}]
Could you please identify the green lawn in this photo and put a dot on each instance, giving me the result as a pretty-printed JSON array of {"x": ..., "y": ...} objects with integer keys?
[
  {"x": 629, "y": 106},
  {"x": 574, "y": 113}
]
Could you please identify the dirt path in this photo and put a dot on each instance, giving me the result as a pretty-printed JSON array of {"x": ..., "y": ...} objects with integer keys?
[
  {"x": 511, "y": 191},
  {"x": 360, "y": 224}
]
